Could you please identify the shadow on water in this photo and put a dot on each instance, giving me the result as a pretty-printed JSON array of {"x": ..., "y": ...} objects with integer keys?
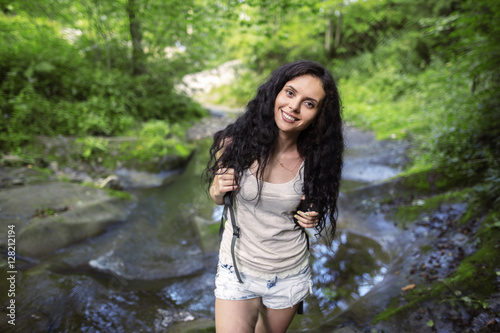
[
  {"x": 158, "y": 269},
  {"x": 342, "y": 274}
]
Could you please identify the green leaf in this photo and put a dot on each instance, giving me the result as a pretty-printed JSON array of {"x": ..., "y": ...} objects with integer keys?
[
  {"x": 29, "y": 72},
  {"x": 44, "y": 66},
  {"x": 430, "y": 323},
  {"x": 467, "y": 300}
]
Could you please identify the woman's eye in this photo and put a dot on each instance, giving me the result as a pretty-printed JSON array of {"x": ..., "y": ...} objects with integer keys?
[
  {"x": 310, "y": 105},
  {"x": 289, "y": 92}
]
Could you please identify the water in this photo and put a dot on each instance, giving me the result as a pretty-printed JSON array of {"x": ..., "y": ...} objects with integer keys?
[{"x": 157, "y": 269}]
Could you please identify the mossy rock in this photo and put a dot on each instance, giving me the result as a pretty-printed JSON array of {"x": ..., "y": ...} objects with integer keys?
[{"x": 51, "y": 216}]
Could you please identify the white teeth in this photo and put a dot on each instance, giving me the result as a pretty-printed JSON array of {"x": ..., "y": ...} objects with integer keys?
[{"x": 288, "y": 117}]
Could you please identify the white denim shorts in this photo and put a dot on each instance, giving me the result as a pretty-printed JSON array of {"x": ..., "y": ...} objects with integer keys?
[{"x": 276, "y": 293}]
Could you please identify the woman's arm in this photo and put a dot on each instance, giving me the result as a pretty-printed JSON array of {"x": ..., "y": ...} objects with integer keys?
[{"x": 224, "y": 180}]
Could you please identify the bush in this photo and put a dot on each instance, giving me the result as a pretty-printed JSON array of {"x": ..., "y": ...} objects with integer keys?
[{"x": 48, "y": 88}]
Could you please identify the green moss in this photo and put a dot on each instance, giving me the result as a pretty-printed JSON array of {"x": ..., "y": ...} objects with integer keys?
[
  {"x": 112, "y": 193},
  {"x": 426, "y": 248},
  {"x": 425, "y": 205},
  {"x": 392, "y": 309},
  {"x": 429, "y": 181},
  {"x": 150, "y": 145},
  {"x": 45, "y": 171},
  {"x": 64, "y": 178},
  {"x": 118, "y": 194},
  {"x": 467, "y": 216},
  {"x": 475, "y": 278},
  {"x": 471, "y": 283},
  {"x": 413, "y": 297}
]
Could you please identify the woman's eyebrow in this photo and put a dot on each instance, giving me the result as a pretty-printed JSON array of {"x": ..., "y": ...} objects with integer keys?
[{"x": 295, "y": 90}]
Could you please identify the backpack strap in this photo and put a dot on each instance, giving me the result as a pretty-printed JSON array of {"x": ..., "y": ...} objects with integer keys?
[{"x": 228, "y": 206}]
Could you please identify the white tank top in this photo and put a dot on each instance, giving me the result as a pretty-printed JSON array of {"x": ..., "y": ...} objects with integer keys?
[{"x": 270, "y": 244}]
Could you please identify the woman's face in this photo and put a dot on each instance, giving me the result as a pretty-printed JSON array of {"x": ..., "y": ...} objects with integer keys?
[{"x": 298, "y": 103}]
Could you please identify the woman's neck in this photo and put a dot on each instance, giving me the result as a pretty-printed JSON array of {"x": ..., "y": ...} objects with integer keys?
[{"x": 286, "y": 144}]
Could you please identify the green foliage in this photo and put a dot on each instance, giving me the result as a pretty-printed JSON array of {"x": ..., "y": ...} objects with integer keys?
[
  {"x": 269, "y": 33},
  {"x": 468, "y": 147},
  {"x": 48, "y": 88},
  {"x": 156, "y": 140},
  {"x": 91, "y": 147},
  {"x": 437, "y": 86},
  {"x": 122, "y": 195},
  {"x": 417, "y": 208},
  {"x": 420, "y": 70},
  {"x": 238, "y": 93},
  {"x": 148, "y": 147}
]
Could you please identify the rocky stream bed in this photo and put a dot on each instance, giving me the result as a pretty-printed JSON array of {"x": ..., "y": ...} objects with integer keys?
[
  {"x": 52, "y": 217},
  {"x": 87, "y": 260}
]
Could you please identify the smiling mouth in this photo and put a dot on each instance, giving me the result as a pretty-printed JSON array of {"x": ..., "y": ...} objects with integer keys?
[{"x": 288, "y": 117}]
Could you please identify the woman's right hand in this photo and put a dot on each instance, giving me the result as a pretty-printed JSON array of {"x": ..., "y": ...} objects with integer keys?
[{"x": 224, "y": 181}]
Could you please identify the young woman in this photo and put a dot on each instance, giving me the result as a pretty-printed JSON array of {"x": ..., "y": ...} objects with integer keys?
[{"x": 286, "y": 146}]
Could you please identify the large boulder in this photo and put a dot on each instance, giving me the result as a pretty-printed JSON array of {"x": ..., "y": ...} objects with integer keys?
[{"x": 51, "y": 216}]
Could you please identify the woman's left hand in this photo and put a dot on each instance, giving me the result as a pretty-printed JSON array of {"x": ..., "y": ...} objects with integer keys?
[{"x": 307, "y": 219}]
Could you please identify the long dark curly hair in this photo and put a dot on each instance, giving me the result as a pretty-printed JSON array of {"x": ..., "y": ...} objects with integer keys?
[{"x": 253, "y": 137}]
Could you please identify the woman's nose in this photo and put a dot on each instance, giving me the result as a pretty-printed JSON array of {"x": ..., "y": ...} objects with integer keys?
[{"x": 294, "y": 106}]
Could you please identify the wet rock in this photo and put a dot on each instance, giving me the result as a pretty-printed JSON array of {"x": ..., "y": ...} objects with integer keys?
[
  {"x": 69, "y": 165},
  {"x": 207, "y": 233},
  {"x": 19, "y": 180},
  {"x": 74, "y": 176},
  {"x": 203, "y": 82},
  {"x": 167, "y": 318},
  {"x": 12, "y": 177},
  {"x": 369, "y": 161},
  {"x": 146, "y": 268},
  {"x": 207, "y": 127},
  {"x": 12, "y": 160},
  {"x": 484, "y": 321},
  {"x": 87, "y": 212},
  {"x": 130, "y": 178},
  {"x": 54, "y": 166}
]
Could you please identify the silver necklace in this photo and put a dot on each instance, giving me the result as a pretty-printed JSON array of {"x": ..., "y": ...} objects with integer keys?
[{"x": 284, "y": 167}]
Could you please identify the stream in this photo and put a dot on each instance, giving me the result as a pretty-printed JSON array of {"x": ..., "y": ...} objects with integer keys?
[{"x": 155, "y": 271}]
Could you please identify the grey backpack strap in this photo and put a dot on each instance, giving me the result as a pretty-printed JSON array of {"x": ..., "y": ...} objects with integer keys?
[
  {"x": 221, "y": 226},
  {"x": 228, "y": 206}
]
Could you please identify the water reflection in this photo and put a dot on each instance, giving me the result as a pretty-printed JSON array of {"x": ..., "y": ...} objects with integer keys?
[{"x": 346, "y": 271}]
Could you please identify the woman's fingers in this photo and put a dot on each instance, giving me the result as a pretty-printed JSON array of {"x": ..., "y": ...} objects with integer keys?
[
  {"x": 307, "y": 219},
  {"x": 226, "y": 181}
]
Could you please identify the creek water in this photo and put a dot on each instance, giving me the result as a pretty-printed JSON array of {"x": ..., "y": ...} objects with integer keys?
[{"x": 157, "y": 268}]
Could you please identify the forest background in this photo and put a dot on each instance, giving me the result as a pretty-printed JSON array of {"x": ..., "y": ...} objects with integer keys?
[{"x": 420, "y": 70}]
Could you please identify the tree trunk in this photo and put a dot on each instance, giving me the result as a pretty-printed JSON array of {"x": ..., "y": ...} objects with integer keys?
[
  {"x": 328, "y": 36},
  {"x": 337, "y": 31},
  {"x": 138, "y": 56}
]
